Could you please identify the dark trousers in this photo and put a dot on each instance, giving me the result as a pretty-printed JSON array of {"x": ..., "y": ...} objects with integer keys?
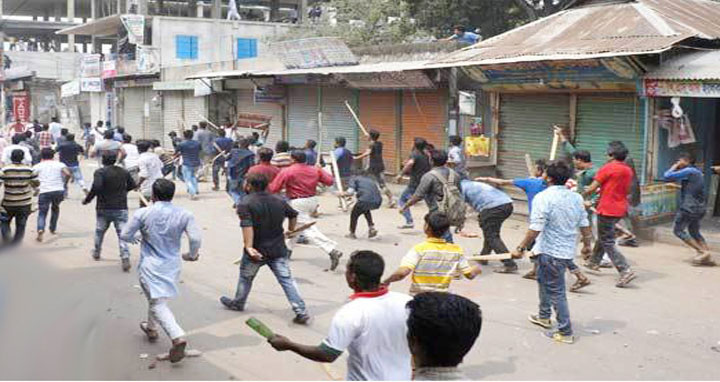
[
  {"x": 491, "y": 221},
  {"x": 216, "y": 168},
  {"x": 606, "y": 244},
  {"x": 361, "y": 208},
  {"x": 687, "y": 226},
  {"x": 20, "y": 216},
  {"x": 49, "y": 201},
  {"x": 551, "y": 288}
]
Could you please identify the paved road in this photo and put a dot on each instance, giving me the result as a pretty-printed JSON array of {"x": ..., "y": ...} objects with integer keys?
[{"x": 64, "y": 316}]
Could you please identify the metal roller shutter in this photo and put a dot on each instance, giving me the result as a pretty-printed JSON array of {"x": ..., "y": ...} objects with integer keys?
[
  {"x": 302, "y": 114},
  {"x": 172, "y": 112},
  {"x": 154, "y": 128},
  {"x": 133, "y": 108},
  {"x": 246, "y": 104},
  {"x": 424, "y": 114},
  {"x": 602, "y": 119},
  {"x": 194, "y": 108},
  {"x": 378, "y": 111},
  {"x": 337, "y": 120},
  {"x": 526, "y": 127}
]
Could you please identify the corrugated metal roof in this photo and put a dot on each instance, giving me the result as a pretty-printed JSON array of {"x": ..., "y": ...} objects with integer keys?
[
  {"x": 640, "y": 27},
  {"x": 694, "y": 66}
]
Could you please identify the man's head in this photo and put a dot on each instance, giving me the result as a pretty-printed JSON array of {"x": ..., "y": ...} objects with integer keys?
[
  {"x": 17, "y": 156},
  {"x": 256, "y": 183},
  {"x": 540, "y": 167},
  {"x": 172, "y": 134},
  {"x": 109, "y": 158},
  {"x": 54, "y": 119},
  {"x": 120, "y": 130},
  {"x": 70, "y": 137},
  {"x": 374, "y": 135},
  {"x": 310, "y": 144},
  {"x": 64, "y": 132},
  {"x": 188, "y": 134},
  {"x": 282, "y": 147},
  {"x": 47, "y": 153},
  {"x": 99, "y": 124},
  {"x": 194, "y": 127},
  {"x": 617, "y": 150},
  {"x": 17, "y": 138},
  {"x": 45, "y": 127},
  {"x": 419, "y": 144},
  {"x": 28, "y": 135},
  {"x": 582, "y": 159},
  {"x": 364, "y": 271},
  {"x": 459, "y": 30},
  {"x": 439, "y": 158},
  {"x": 265, "y": 155},
  {"x": 455, "y": 140},
  {"x": 143, "y": 146},
  {"x": 243, "y": 143},
  {"x": 558, "y": 173},
  {"x": 221, "y": 133},
  {"x": 298, "y": 156},
  {"x": 340, "y": 141},
  {"x": 255, "y": 137},
  {"x": 203, "y": 125},
  {"x": 685, "y": 160},
  {"x": 109, "y": 134},
  {"x": 442, "y": 328},
  {"x": 127, "y": 138},
  {"x": 108, "y": 124},
  {"x": 163, "y": 190},
  {"x": 436, "y": 224}
]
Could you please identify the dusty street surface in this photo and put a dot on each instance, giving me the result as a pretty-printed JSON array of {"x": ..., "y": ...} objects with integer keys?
[{"x": 65, "y": 316}]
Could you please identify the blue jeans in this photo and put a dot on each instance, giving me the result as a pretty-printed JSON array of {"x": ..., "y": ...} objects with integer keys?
[
  {"x": 281, "y": 269},
  {"x": 118, "y": 218},
  {"x": 404, "y": 198},
  {"x": 551, "y": 286},
  {"x": 235, "y": 189},
  {"x": 49, "y": 201},
  {"x": 688, "y": 222},
  {"x": 77, "y": 177},
  {"x": 190, "y": 179}
]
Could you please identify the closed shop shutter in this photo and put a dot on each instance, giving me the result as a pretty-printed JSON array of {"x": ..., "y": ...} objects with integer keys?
[
  {"x": 246, "y": 104},
  {"x": 133, "y": 109},
  {"x": 526, "y": 128},
  {"x": 302, "y": 114},
  {"x": 337, "y": 120},
  {"x": 424, "y": 114},
  {"x": 154, "y": 128},
  {"x": 194, "y": 108},
  {"x": 172, "y": 113},
  {"x": 605, "y": 118},
  {"x": 378, "y": 111}
]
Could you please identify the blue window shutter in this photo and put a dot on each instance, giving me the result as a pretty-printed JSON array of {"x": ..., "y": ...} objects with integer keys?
[
  {"x": 186, "y": 47},
  {"x": 246, "y": 48}
]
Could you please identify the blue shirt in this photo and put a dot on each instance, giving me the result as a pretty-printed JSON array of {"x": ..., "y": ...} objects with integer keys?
[
  {"x": 161, "y": 227},
  {"x": 344, "y": 160},
  {"x": 118, "y": 137},
  {"x": 483, "y": 196},
  {"x": 190, "y": 151},
  {"x": 225, "y": 144},
  {"x": 311, "y": 156},
  {"x": 558, "y": 214},
  {"x": 240, "y": 162},
  {"x": 366, "y": 190},
  {"x": 692, "y": 194},
  {"x": 467, "y": 38},
  {"x": 531, "y": 186}
]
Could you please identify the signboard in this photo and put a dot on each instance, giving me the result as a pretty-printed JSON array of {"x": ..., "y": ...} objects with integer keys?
[
  {"x": 109, "y": 105},
  {"x": 135, "y": 26},
  {"x": 90, "y": 66},
  {"x": 69, "y": 89},
  {"x": 109, "y": 69},
  {"x": 663, "y": 88},
  {"x": 148, "y": 59},
  {"x": 270, "y": 93},
  {"x": 313, "y": 53},
  {"x": 467, "y": 103},
  {"x": 21, "y": 106},
  {"x": 91, "y": 84}
]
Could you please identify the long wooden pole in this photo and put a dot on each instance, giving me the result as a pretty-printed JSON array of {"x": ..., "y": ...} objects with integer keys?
[
  {"x": 338, "y": 180},
  {"x": 357, "y": 120},
  {"x": 555, "y": 142}
]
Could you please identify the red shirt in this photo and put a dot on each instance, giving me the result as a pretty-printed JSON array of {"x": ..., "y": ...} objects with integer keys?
[
  {"x": 300, "y": 181},
  {"x": 615, "y": 179},
  {"x": 44, "y": 139},
  {"x": 266, "y": 169}
]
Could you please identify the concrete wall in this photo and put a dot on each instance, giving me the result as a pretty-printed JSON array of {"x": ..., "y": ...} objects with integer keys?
[
  {"x": 60, "y": 66},
  {"x": 216, "y": 39}
]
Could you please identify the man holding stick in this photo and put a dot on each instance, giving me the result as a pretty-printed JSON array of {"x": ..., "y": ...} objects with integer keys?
[{"x": 376, "y": 165}]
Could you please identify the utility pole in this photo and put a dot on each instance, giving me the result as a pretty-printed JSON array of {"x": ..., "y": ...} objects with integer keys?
[{"x": 71, "y": 18}]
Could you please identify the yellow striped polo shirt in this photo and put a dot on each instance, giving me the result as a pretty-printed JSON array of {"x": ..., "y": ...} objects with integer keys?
[{"x": 434, "y": 264}]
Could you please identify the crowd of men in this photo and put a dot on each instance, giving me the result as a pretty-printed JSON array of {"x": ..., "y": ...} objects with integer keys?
[{"x": 382, "y": 331}]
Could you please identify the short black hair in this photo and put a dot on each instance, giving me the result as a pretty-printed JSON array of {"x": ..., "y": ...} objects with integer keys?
[
  {"x": 203, "y": 125},
  {"x": 109, "y": 158},
  {"x": 374, "y": 135},
  {"x": 163, "y": 190},
  {"x": 265, "y": 154},
  {"x": 17, "y": 156},
  {"x": 617, "y": 150},
  {"x": 172, "y": 134},
  {"x": 70, "y": 137},
  {"x": 559, "y": 172},
  {"x": 108, "y": 134},
  {"x": 439, "y": 157},
  {"x": 460, "y": 28},
  {"x": 368, "y": 268},
  {"x": 687, "y": 156},
  {"x": 455, "y": 140},
  {"x": 541, "y": 165},
  {"x": 17, "y": 138},
  {"x": 282, "y": 147},
  {"x": 127, "y": 138},
  {"x": 258, "y": 182},
  {"x": 298, "y": 156},
  {"x": 188, "y": 134},
  {"x": 120, "y": 130},
  {"x": 438, "y": 223},
  {"x": 143, "y": 146},
  {"x": 47, "y": 153},
  {"x": 99, "y": 123},
  {"x": 341, "y": 141},
  {"x": 311, "y": 144},
  {"x": 419, "y": 144},
  {"x": 444, "y": 326},
  {"x": 583, "y": 156},
  {"x": 64, "y": 131}
]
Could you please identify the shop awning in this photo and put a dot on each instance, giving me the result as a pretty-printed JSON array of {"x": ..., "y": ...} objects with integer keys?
[{"x": 704, "y": 65}]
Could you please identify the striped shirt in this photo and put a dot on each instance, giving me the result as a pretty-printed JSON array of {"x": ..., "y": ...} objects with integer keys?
[
  {"x": 20, "y": 182},
  {"x": 434, "y": 264}
]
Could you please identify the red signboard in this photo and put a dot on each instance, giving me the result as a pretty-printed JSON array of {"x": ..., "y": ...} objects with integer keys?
[{"x": 21, "y": 106}]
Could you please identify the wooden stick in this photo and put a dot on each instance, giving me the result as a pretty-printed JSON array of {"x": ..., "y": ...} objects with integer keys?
[
  {"x": 338, "y": 180},
  {"x": 142, "y": 199},
  {"x": 529, "y": 165},
  {"x": 555, "y": 142},
  {"x": 297, "y": 230},
  {"x": 214, "y": 126},
  {"x": 495, "y": 257},
  {"x": 357, "y": 120}
]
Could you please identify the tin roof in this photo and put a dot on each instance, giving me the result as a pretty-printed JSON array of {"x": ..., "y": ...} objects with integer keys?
[
  {"x": 703, "y": 65},
  {"x": 615, "y": 29}
]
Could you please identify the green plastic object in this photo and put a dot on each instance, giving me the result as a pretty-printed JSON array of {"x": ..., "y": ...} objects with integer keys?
[{"x": 259, "y": 327}]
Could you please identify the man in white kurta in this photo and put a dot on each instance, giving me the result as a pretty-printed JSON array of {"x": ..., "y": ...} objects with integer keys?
[{"x": 161, "y": 228}]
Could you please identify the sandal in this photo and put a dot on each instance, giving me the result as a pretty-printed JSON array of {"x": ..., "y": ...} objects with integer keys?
[
  {"x": 579, "y": 284},
  {"x": 152, "y": 334},
  {"x": 177, "y": 351}
]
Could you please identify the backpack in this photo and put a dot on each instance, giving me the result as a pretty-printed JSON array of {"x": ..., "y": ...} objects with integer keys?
[{"x": 452, "y": 203}]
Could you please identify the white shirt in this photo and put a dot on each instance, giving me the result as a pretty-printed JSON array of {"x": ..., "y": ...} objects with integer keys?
[
  {"x": 132, "y": 156},
  {"x": 150, "y": 169},
  {"x": 373, "y": 330},
  {"x": 7, "y": 152},
  {"x": 50, "y": 175},
  {"x": 55, "y": 130}
]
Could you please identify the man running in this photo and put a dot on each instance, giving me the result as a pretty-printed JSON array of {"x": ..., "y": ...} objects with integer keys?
[
  {"x": 222, "y": 145},
  {"x": 111, "y": 185},
  {"x": 190, "y": 150},
  {"x": 261, "y": 218},
  {"x": 53, "y": 176},
  {"x": 161, "y": 228},
  {"x": 416, "y": 166},
  {"x": 264, "y": 167},
  {"x": 376, "y": 165},
  {"x": 69, "y": 152},
  {"x": 149, "y": 170},
  {"x": 300, "y": 182},
  {"x": 241, "y": 158},
  {"x": 19, "y": 182},
  {"x": 129, "y": 156}
]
